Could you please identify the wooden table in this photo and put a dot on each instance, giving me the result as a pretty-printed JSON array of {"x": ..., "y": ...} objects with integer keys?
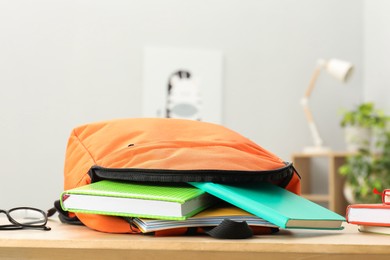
[{"x": 78, "y": 242}]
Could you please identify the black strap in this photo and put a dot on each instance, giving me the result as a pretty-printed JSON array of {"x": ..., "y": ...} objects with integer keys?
[
  {"x": 229, "y": 229},
  {"x": 64, "y": 215}
]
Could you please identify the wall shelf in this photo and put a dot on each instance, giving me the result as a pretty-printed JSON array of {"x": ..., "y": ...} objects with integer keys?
[{"x": 335, "y": 198}]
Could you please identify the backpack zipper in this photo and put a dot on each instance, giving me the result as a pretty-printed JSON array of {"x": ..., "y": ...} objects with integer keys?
[{"x": 98, "y": 173}]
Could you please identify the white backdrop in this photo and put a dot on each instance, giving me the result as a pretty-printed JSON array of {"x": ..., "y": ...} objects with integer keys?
[{"x": 377, "y": 53}]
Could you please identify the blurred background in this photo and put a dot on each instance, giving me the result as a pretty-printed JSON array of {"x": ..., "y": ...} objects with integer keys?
[{"x": 67, "y": 63}]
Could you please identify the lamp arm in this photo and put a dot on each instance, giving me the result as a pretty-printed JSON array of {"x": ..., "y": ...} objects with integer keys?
[
  {"x": 304, "y": 102},
  {"x": 312, "y": 126},
  {"x": 313, "y": 80}
]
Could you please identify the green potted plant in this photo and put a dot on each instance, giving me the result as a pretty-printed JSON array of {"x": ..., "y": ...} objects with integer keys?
[
  {"x": 365, "y": 171},
  {"x": 362, "y": 124},
  {"x": 368, "y": 167}
]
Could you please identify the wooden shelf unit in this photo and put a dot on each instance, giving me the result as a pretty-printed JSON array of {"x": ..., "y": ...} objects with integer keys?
[{"x": 334, "y": 199}]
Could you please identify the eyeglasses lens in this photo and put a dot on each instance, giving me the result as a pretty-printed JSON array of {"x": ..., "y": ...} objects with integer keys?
[
  {"x": 28, "y": 217},
  {"x": 3, "y": 220}
]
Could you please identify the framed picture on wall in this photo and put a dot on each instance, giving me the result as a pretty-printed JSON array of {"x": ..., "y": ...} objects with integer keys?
[{"x": 183, "y": 83}]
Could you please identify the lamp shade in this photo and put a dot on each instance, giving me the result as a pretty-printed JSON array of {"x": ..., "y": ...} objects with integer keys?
[{"x": 339, "y": 69}]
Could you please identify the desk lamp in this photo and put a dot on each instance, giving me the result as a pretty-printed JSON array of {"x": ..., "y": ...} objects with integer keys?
[{"x": 340, "y": 70}]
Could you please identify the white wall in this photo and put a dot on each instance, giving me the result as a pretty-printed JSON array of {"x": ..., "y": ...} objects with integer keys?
[
  {"x": 66, "y": 63},
  {"x": 377, "y": 53}
]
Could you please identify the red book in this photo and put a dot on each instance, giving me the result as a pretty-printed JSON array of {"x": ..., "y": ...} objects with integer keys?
[{"x": 369, "y": 214}]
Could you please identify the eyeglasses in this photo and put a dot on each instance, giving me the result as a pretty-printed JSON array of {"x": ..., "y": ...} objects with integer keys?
[{"x": 25, "y": 217}]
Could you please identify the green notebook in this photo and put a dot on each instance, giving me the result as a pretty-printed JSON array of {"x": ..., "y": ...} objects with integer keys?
[
  {"x": 275, "y": 204},
  {"x": 160, "y": 201}
]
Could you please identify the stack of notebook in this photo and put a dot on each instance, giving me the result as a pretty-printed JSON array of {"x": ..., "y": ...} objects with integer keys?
[
  {"x": 373, "y": 218},
  {"x": 155, "y": 207}
]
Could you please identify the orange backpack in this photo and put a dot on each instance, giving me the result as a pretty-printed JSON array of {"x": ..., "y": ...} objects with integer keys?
[{"x": 165, "y": 150}]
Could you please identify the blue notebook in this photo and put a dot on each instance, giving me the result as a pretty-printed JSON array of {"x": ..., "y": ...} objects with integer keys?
[{"x": 275, "y": 204}]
